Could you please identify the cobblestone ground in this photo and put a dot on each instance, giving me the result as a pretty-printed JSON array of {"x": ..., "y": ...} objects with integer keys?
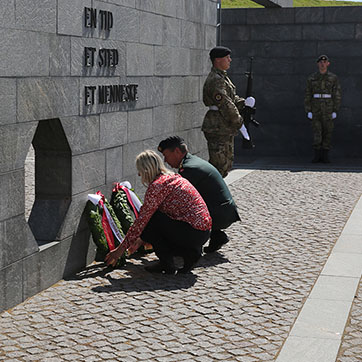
[
  {"x": 238, "y": 305},
  {"x": 351, "y": 348}
]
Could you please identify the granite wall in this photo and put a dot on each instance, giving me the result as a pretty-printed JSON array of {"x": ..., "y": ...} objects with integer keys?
[
  {"x": 285, "y": 44},
  {"x": 89, "y": 84}
]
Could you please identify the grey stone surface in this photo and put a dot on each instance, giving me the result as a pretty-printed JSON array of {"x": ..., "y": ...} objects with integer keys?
[
  {"x": 43, "y": 98},
  {"x": 7, "y": 101},
  {"x": 139, "y": 59},
  {"x": 171, "y": 31},
  {"x": 71, "y": 17},
  {"x": 173, "y": 90},
  {"x": 16, "y": 241},
  {"x": 60, "y": 55},
  {"x": 114, "y": 165},
  {"x": 309, "y": 15},
  {"x": 192, "y": 35},
  {"x": 329, "y": 32},
  {"x": 27, "y": 53},
  {"x": 139, "y": 125},
  {"x": 7, "y": 13},
  {"x": 151, "y": 26},
  {"x": 11, "y": 285},
  {"x": 82, "y": 133},
  {"x": 164, "y": 7},
  {"x": 114, "y": 129},
  {"x": 35, "y": 15},
  {"x": 342, "y": 14},
  {"x": 12, "y": 191},
  {"x": 163, "y": 120},
  {"x": 88, "y": 171},
  {"x": 14, "y": 145},
  {"x": 130, "y": 151}
]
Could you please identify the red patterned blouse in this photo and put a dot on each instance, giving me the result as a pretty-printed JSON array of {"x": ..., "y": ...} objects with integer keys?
[{"x": 176, "y": 197}]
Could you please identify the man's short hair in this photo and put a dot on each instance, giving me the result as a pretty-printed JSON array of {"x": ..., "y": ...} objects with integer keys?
[{"x": 170, "y": 143}]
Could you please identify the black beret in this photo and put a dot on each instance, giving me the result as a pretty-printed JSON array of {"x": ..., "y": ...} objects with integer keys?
[
  {"x": 170, "y": 142},
  {"x": 322, "y": 57},
  {"x": 219, "y": 52}
]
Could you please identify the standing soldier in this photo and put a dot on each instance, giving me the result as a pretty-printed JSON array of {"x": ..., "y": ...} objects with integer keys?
[
  {"x": 322, "y": 101},
  {"x": 223, "y": 120}
]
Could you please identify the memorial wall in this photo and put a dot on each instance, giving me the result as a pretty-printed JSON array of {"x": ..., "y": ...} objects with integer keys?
[{"x": 85, "y": 86}]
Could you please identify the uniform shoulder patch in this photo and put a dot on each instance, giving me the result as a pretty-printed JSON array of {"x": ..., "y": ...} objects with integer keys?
[{"x": 218, "y": 97}]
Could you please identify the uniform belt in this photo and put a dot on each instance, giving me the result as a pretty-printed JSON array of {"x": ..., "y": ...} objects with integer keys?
[
  {"x": 319, "y": 95},
  {"x": 213, "y": 108}
]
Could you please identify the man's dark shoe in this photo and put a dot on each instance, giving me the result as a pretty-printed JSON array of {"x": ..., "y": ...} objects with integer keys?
[
  {"x": 161, "y": 268},
  {"x": 325, "y": 157},
  {"x": 217, "y": 239},
  {"x": 317, "y": 156},
  {"x": 189, "y": 263}
]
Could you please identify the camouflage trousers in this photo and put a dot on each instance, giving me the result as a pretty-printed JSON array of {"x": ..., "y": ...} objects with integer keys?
[
  {"x": 221, "y": 152},
  {"x": 322, "y": 132}
]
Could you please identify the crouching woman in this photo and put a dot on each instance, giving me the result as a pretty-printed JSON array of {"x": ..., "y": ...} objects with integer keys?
[{"x": 173, "y": 218}]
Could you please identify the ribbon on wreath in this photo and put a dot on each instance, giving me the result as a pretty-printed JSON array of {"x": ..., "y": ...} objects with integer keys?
[
  {"x": 131, "y": 196},
  {"x": 108, "y": 224}
]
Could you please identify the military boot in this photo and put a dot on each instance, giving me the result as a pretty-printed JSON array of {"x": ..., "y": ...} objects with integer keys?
[
  {"x": 325, "y": 157},
  {"x": 317, "y": 156}
]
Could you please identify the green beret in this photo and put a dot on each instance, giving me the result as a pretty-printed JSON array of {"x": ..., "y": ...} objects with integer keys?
[{"x": 322, "y": 57}]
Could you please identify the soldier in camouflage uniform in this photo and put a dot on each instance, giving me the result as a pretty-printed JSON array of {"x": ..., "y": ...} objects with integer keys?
[
  {"x": 223, "y": 120},
  {"x": 322, "y": 101}
]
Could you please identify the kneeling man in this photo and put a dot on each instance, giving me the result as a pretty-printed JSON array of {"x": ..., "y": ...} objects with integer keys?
[{"x": 208, "y": 182}]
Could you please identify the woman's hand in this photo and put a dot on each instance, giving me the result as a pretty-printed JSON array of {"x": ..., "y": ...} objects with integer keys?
[
  {"x": 112, "y": 257},
  {"x": 134, "y": 247}
]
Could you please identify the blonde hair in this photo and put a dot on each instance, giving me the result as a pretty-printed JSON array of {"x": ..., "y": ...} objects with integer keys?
[{"x": 149, "y": 165}]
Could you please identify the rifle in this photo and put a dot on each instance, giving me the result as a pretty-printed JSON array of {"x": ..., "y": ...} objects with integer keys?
[{"x": 248, "y": 112}]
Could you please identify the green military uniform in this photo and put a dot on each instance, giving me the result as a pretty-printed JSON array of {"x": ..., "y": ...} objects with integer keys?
[
  {"x": 322, "y": 98},
  {"x": 223, "y": 120}
]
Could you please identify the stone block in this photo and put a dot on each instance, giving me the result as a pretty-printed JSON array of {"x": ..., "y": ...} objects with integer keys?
[
  {"x": 339, "y": 48},
  {"x": 192, "y": 35},
  {"x": 140, "y": 59},
  {"x": 47, "y": 98},
  {"x": 329, "y": 32},
  {"x": 60, "y": 56},
  {"x": 73, "y": 219},
  {"x": 163, "y": 120},
  {"x": 276, "y": 32},
  {"x": 164, "y": 7},
  {"x": 127, "y": 26},
  {"x": 209, "y": 12},
  {"x": 7, "y": 101},
  {"x": 7, "y": 13},
  {"x": 11, "y": 285},
  {"x": 172, "y": 61},
  {"x": 270, "y": 16},
  {"x": 71, "y": 17},
  {"x": 36, "y": 15},
  {"x": 185, "y": 114},
  {"x": 82, "y": 133},
  {"x": 343, "y": 14},
  {"x": 273, "y": 66},
  {"x": 191, "y": 89},
  {"x": 210, "y": 37},
  {"x": 78, "y": 56},
  {"x": 128, "y": 3},
  {"x": 196, "y": 61},
  {"x": 234, "y": 16},
  {"x": 139, "y": 125},
  {"x": 194, "y": 10},
  {"x": 113, "y": 129},
  {"x": 88, "y": 171},
  {"x": 181, "y": 9},
  {"x": 236, "y": 32},
  {"x": 15, "y": 141},
  {"x": 16, "y": 241},
  {"x": 171, "y": 31},
  {"x": 151, "y": 28},
  {"x": 130, "y": 151},
  {"x": 173, "y": 90},
  {"x": 196, "y": 140},
  {"x": 27, "y": 53},
  {"x": 114, "y": 165},
  {"x": 309, "y": 15}
]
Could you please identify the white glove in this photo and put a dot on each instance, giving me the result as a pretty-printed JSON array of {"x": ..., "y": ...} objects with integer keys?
[
  {"x": 244, "y": 132},
  {"x": 334, "y": 115},
  {"x": 310, "y": 115},
  {"x": 250, "y": 102}
]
